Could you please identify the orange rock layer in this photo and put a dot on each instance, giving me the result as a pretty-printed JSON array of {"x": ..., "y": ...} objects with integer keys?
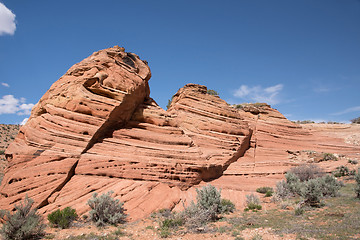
[{"x": 97, "y": 129}]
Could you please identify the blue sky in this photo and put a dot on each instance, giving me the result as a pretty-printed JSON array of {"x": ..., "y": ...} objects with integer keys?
[{"x": 302, "y": 57}]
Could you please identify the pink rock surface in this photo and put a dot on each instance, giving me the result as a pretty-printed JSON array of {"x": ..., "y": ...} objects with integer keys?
[{"x": 97, "y": 130}]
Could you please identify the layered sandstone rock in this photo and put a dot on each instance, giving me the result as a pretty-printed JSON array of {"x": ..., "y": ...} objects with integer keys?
[{"x": 97, "y": 129}]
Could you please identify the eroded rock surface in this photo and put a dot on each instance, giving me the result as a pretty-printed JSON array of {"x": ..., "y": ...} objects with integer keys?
[{"x": 97, "y": 129}]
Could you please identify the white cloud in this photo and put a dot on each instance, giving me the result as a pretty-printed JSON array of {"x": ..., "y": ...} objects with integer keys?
[
  {"x": 268, "y": 95},
  {"x": 348, "y": 110},
  {"x": 25, "y": 109},
  {"x": 5, "y": 84},
  {"x": 11, "y": 105},
  {"x": 24, "y": 121},
  {"x": 7, "y": 21}
]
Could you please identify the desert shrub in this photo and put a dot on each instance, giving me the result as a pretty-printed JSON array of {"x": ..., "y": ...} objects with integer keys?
[
  {"x": 353, "y": 161},
  {"x": 269, "y": 193},
  {"x": 357, "y": 187},
  {"x": 293, "y": 183},
  {"x": 172, "y": 222},
  {"x": 24, "y": 223},
  {"x": 312, "y": 192},
  {"x": 2, "y": 152},
  {"x": 253, "y": 202},
  {"x": 356, "y": 120},
  {"x": 62, "y": 218},
  {"x": 298, "y": 210},
  {"x": 169, "y": 102},
  {"x": 196, "y": 217},
  {"x": 304, "y": 121},
  {"x": 264, "y": 189},
  {"x": 105, "y": 210},
  {"x": 239, "y": 106},
  {"x": 342, "y": 171},
  {"x": 307, "y": 171},
  {"x": 328, "y": 157},
  {"x": 227, "y": 206},
  {"x": 209, "y": 198},
  {"x": 329, "y": 186},
  {"x": 212, "y": 92},
  {"x": 282, "y": 191},
  {"x": 285, "y": 204},
  {"x": 168, "y": 223}
]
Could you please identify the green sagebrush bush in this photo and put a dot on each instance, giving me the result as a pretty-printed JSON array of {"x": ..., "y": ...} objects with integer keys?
[
  {"x": 282, "y": 191},
  {"x": 209, "y": 198},
  {"x": 265, "y": 190},
  {"x": 357, "y": 187},
  {"x": 227, "y": 206},
  {"x": 253, "y": 202},
  {"x": 25, "y": 223},
  {"x": 207, "y": 208},
  {"x": 311, "y": 192},
  {"x": 330, "y": 186},
  {"x": 105, "y": 210},
  {"x": 62, "y": 218},
  {"x": 212, "y": 92},
  {"x": 312, "y": 189},
  {"x": 343, "y": 171}
]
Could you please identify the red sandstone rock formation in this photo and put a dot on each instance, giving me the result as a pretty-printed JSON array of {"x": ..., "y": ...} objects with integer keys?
[{"x": 97, "y": 129}]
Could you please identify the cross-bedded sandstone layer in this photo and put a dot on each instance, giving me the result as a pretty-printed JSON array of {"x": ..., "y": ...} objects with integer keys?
[{"x": 97, "y": 129}]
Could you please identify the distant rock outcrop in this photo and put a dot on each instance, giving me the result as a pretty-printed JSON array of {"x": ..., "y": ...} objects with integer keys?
[{"x": 97, "y": 129}]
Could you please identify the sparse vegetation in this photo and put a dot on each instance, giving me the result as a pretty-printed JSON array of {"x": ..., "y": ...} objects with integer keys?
[
  {"x": 264, "y": 189},
  {"x": 342, "y": 171},
  {"x": 307, "y": 171},
  {"x": 308, "y": 183},
  {"x": 62, "y": 218},
  {"x": 338, "y": 220},
  {"x": 356, "y": 120},
  {"x": 357, "y": 187},
  {"x": 304, "y": 121},
  {"x": 328, "y": 157},
  {"x": 105, "y": 210},
  {"x": 209, "y": 198},
  {"x": 353, "y": 161},
  {"x": 299, "y": 210},
  {"x": 24, "y": 223},
  {"x": 169, "y": 102},
  {"x": 253, "y": 202},
  {"x": 311, "y": 192},
  {"x": 227, "y": 206},
  {"x": 268, "y": 191},
  {"x": 195, "y": 217},
  {"x": 212, "y": 92}
]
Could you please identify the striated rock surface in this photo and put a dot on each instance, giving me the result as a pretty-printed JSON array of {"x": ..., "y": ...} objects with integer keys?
[{"x": 97, "y": 129}]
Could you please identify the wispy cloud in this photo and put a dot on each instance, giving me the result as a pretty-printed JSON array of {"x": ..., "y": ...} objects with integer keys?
[
  {"x": 7, "y": 21},
  {"x": 5, "y": 84},
  {"x": 319, "y": 86},
  {"x": 11, "y": 105},
  {"x": 268, "y": 95},
  {"x": 348, "y": 110},
  {"x": 321, "y": 89}
]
